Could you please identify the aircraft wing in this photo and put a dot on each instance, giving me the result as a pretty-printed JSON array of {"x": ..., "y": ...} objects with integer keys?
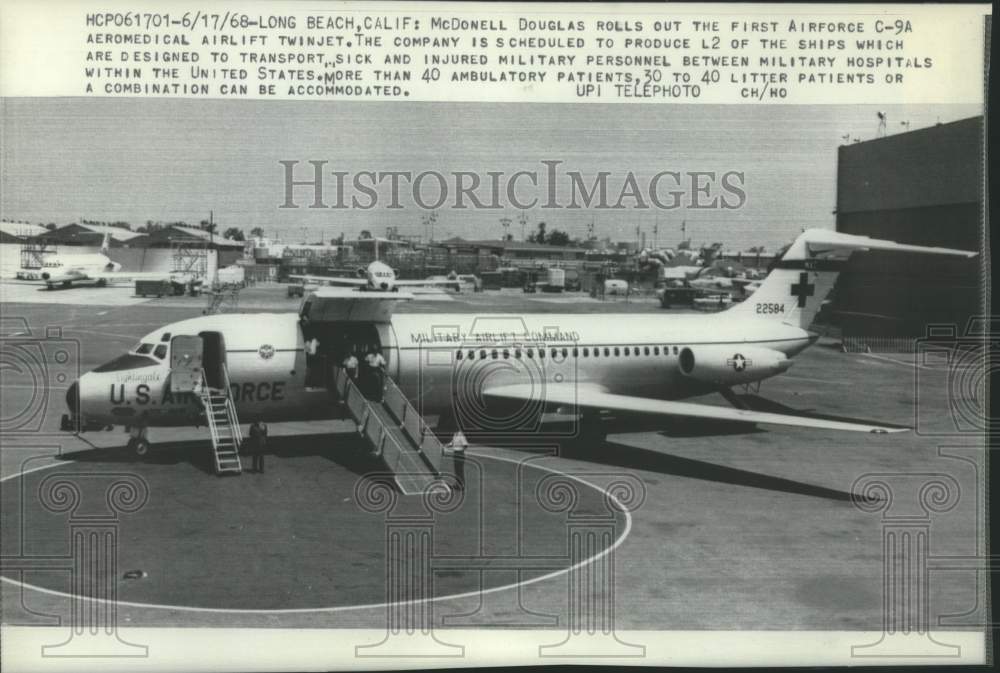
[
  {"x": 425, "y": 283},
  {"x": 340, "y": 304},
  {"x": 593, "y": 396},
  {"x": 75, "y": 274},
  {"x": 129, "y": 277},
  {"x": 331, "y": 280}
]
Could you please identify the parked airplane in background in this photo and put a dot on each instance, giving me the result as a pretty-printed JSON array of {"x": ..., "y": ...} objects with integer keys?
[
  {"x": 459, "y": 365},
  {"x": 66, "y": 269},
  {"x": 376, "y": 277}
]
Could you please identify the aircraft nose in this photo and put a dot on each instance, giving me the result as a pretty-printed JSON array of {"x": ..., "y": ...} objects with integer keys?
[{"x": 73, "y": 397}]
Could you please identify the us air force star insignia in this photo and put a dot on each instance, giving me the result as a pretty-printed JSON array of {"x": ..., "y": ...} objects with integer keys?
[
  {"x": 738, "y": 362},
  {"x": 266, "y": 351}
]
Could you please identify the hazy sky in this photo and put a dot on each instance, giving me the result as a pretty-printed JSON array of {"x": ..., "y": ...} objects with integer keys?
[{"x": 149, "y": 159}]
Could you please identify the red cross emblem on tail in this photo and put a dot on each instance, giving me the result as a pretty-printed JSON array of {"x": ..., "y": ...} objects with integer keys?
[{"x": 803, "y": 289}]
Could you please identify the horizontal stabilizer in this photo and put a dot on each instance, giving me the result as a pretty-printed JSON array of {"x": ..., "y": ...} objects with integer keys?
[{"x": 822, "y": 242}]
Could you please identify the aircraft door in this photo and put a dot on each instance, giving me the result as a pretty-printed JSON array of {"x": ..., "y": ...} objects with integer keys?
[{"x": 185, "y": 363}]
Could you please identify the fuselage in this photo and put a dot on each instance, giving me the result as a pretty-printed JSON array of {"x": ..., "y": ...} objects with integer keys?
[
  {"x": 69, "y": 268},
  {"x": 435, "y": 359}
]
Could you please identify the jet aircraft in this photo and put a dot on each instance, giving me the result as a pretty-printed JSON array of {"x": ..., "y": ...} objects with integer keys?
[{"x": 459, "y": 366}]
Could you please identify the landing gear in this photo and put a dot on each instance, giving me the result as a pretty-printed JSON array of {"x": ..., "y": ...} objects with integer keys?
[
  {"x": 101, "y": 282},
  {"x": 138, "y": 441}
]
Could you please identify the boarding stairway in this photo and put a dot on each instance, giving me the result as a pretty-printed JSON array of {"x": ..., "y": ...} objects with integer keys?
[
  {"x": 223, "y": 425},
  {"x": 396, "y": 432}
]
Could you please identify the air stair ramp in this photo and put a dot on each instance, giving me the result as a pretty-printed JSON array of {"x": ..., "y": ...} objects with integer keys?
[
  {"x": 223, "y": 425},
  {"x": 396, "y": 432}
]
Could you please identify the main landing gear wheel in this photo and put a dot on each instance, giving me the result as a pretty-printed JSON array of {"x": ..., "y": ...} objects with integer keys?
[{"x": 139, "y": 447}]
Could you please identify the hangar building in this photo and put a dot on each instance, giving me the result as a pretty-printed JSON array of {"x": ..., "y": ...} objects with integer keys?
[{"x": 922, "y": 187}]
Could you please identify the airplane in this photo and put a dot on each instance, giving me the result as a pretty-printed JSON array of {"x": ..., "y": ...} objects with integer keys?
[
  {"x": 376, "y": 277},
  {"x": 462, "y": 366},
  {"x": 66, "y": 269}
]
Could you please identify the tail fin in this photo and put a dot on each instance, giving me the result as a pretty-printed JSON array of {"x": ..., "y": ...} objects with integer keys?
[{"x": 802, "y": 279}]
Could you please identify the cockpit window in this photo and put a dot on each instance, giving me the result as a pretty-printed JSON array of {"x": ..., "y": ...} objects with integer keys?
[
  {"x": 161, "y": 351},
  {"x": 127, "y": 361},
  {"x": 144, "y": 349}
]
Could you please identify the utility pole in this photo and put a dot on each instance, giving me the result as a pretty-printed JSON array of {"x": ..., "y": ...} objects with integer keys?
[{"x": 505, "y": 223}]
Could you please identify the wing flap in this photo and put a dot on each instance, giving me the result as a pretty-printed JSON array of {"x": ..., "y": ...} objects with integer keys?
[
  {"x": 593, "y": 396},
  {"x": 425, "y": 283},
  {"x": 330, "y": 280}
]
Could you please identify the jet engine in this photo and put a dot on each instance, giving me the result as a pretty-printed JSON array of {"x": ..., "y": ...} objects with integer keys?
[{"x": 729, "y": 365}]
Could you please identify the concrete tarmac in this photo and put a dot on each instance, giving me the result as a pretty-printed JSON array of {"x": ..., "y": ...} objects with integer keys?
[{"x": 728, "y": 527}]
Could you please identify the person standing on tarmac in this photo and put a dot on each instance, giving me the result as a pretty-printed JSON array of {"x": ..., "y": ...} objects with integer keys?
[
  {"x": 258, "y": 444},
  {"x": 456, "y": 447}
]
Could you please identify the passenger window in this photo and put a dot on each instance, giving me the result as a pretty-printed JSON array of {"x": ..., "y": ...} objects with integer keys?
[
  {"x": 458, "y": 355},
  {"x": 531, "y": 353},
  {"x": 541, "y": 353},
  {"x": 576, "y": 353},
  {"x": 675, "y": 350},
  {"x": 494, "y": 353},
  {"x": 626, "y": 350},
  {"x": 606, "y": 352},
  {"x": 645, "y": 350},
  {"x": 472, "y": 355},
  {"x": 506, "y": 354},
  {"x": 586, "y": 352},
  {"x": 656, "y": 350},
  {"x": 161, "y": 351},
  {"x": 554, "y": 352},
  {"x": 482, "y": 354},
  {"x": 517, "y": 353},
  {"x": 564, "y": 353},
  {"x": 617, "y": 351}
]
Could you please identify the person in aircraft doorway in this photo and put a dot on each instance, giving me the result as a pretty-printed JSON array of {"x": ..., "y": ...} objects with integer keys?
[
  {"x": 350, "y": 365},
  {"x": 376, "y": 373},
  {"x": 314, "y": 373}
]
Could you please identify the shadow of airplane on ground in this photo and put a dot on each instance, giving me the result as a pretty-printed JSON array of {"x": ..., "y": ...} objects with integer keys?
[
  {"x": 648, "y": 460},
  {"x": 345, "y": 449},
  {"x": 564, "y": 439}
]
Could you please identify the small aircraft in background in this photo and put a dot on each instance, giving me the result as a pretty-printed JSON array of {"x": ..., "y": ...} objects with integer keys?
[
  {"x": 66, "y": 269},
  {"x": 377, "y": 277}
]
